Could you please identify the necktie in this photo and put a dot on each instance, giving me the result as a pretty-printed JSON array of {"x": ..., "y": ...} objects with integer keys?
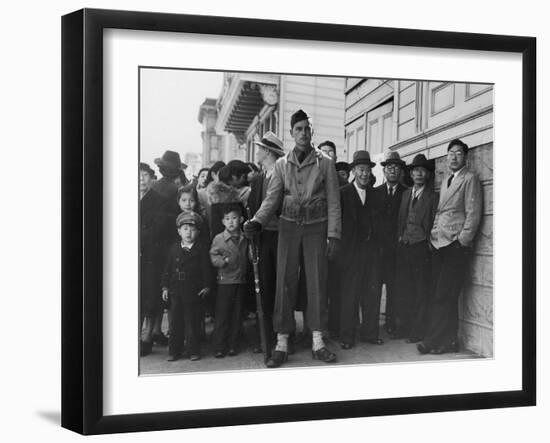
[
  {"x": 450, "y": 180},
  {"x": 390, "y": 191},
  {"x": 186, "y": 249},
  {"x": 415, "y": 199}
]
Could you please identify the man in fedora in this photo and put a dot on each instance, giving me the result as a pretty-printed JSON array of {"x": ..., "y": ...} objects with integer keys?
[
  {"x": 269, "y": 150},
  {"x": 358, "y": 257},
  {"x": 455, "y": 226},
  {"x": 387, "y": 198},
  {"x": 171, "y": 168},
  {"x": 414, "y": 224},
  {"x": 306, "y": 182}
]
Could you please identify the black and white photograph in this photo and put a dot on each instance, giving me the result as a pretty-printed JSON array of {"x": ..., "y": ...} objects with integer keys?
[{"x": 294, "y": 221}]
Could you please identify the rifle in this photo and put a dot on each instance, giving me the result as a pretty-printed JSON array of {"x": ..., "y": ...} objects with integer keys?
[{"x": 253, "y": 250}]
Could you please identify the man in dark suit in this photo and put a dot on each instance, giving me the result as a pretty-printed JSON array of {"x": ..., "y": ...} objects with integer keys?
[
  {"x": 153, "y": 219},
  {"x": 455, "y": 226},
  {"x": 414, "y": 225},
  {"x": 387, "y": 202},
  {"x": 358, "y": 256},
  {"x": 270, "y": 148}
]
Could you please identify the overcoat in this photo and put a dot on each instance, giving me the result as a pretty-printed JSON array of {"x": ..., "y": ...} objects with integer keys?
[
  {"x": 186, "y": 273},
  {"x": 153, "y": 224}
]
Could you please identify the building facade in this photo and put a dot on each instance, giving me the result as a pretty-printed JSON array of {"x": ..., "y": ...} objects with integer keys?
[
  {"x": 413, "y": 117},
  {"x": 216, "y": 145},
  {"x": 251, "y": 104}
]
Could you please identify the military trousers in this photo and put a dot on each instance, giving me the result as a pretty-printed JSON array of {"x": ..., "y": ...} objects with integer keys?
[{"x": 310, "y": 243}]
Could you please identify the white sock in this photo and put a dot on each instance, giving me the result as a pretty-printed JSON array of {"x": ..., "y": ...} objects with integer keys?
[
  {"x": 282, "y": 343},
  {"x": 318, "y": 342}
]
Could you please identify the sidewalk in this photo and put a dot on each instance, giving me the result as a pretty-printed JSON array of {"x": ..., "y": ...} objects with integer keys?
[{"x": 361, "y": 353}]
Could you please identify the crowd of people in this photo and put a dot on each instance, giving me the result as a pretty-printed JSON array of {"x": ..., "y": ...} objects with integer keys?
[{"x": 328, "y": 241}]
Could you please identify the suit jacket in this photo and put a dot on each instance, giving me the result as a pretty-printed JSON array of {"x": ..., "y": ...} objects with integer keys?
[
  {"x": 187, "y": 273},
  {"x": 459, "y": 211},
  {"x": 257, "y": 195},
  {"x": 386, "y": 210},
  {"x": 351, "y": 203},
  {"x": 425, "y": 207}
]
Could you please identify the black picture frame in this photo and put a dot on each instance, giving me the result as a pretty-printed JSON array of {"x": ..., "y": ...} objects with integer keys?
[{"x": 82, "y": 215}]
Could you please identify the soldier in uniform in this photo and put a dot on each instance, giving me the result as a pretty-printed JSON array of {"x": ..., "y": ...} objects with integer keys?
[{"x": 306, "y": 182}]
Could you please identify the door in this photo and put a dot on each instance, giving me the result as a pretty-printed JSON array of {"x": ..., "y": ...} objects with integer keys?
[{"x": 379, "y": 135}]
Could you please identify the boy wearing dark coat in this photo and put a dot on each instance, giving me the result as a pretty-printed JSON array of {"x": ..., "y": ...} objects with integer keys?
[{"x": 185, "y": 281}]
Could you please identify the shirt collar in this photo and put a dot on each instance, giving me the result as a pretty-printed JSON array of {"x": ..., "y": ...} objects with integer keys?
[
  {"x": 227, "y": 236},
  {"x": 394, "y": 187},
  {"x": 417, "y": 192},
  {"x": 455, "y": 173},
  {"x": 358, "y": 188},
  {"x": 187, "y": 246}
]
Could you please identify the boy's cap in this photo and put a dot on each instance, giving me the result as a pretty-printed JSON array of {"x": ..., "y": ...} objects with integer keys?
[{"x": 189, "y": 218}]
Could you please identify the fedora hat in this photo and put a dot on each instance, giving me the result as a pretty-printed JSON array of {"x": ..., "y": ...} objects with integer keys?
[
  {"x": 343, "y": 166},
  {"x": 421, "y": 160},
  {"x": 145, "y": 167},
  {"x": 272, "y": 143},
  {"x": 170, "y": 161},
  {"x": 392, "y": 158},
  {"x": 362, "y": 158}
]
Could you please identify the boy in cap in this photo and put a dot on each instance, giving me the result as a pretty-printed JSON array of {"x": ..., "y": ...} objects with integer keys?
[{"x": 185, "y": 281}]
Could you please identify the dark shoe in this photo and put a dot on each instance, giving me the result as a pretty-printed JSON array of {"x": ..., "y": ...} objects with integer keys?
[
  {"x": 277, "y": 359},
  {"x": 160, "y": 339},
  {"x": 232, "y": 352},
  {"x": 346, "y": 346},
  {"x": 145, "y": 348},
  {"x": 413, "y": 340},
  {"x": 324, "y": 354},
  {"x": 195, "y": 357},
  {"x": 451, "y": 347},
  {"x": 174, "y": 357},
  {"x": 374, "y": 341},
  {"x": 422, "y": 348},
  {"x": 219, "y": 354}
]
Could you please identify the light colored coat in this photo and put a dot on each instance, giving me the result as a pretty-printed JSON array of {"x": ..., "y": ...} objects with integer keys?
[
  {"x": 309, "y": 192},
  {"x": 459, "y": 211}
]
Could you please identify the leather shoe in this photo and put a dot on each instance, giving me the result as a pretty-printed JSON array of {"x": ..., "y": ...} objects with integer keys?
[
  {"x": 451, "y": 347},
  {"x": 413, "y": 340},
  {"x": 195, "y": 357},
  {"x": 324, "y": 354},
  {"x": 232, "y": 352},
  {"x": 422, "y": 348},
  {"x": 374, "y": 341},
  {"x": 160, "y": 339},
  {"x": 219, "y": 354},
  {"x": 277, "y": 359},
  {"x": 174, "y": 357},
  {"x": 346, "y": 346}
]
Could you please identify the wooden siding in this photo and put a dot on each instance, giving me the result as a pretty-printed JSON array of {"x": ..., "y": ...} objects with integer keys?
[{"x": 323, "y": 99}]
